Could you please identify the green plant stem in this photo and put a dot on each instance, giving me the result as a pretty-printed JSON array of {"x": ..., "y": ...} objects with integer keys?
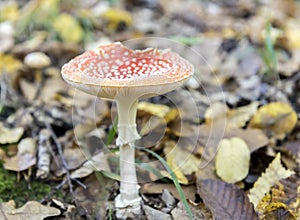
[{"x": 112, "y": 133}]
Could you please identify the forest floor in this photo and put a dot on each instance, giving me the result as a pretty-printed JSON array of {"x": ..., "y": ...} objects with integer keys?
[{"x": 230, "y": 134}]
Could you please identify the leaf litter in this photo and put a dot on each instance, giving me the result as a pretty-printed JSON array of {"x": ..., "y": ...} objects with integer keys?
[{"x": 245, "y": 104}]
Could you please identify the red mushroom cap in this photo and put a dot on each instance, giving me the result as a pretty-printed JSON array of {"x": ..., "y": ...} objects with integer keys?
[{"x": 114, "y": 69}]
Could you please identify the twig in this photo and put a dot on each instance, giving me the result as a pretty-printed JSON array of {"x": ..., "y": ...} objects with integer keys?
[
  {"x": 43, "y": 154},
  {"x": 65, "y": 166},
  {"x": 61, "y": 154}
]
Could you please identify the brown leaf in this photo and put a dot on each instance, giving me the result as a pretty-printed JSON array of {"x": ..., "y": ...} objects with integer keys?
[
  {"x": 157, "y": 188},
  {"x": 287, "y": 191},
  {"x": 226, "y": 201},
  {"x": 210, "y": 136}
]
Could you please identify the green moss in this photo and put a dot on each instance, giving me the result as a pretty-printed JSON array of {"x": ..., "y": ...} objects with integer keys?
[{"x": 20, "y": 192}]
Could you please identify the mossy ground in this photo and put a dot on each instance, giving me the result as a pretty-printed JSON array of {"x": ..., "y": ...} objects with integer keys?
[{"x": 21, "y": 191}]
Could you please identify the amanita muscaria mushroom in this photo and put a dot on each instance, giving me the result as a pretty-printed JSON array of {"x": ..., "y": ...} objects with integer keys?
[{"x": 115, "y": 72}]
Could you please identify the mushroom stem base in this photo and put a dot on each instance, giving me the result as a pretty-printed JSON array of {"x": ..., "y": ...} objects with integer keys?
[
  {"x": 127, "y": 210},
  {"x": 129, "y": 188}
]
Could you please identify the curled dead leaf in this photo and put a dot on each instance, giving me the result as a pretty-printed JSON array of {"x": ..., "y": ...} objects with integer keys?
[{"x": 10, "y": 135}]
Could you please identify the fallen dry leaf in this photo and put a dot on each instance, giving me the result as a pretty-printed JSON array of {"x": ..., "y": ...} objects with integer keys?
[
  {"x": 153, "y": 214},
  {"x": 273, "y": 173},
  {"x": 181, "y": 161},
  {"x": 25, "y": 158},
  {"x": 96, "y": 163},
  {"x": 225, "y": 201},
  {"x": 65, "y": 24},
  {"x": 31, "y": 210},
  {"x": 276, "y": 118},
  {"x": 9, "y": 64},
  {"x": 154, "y": 109},
  {"x": 20, "y": 163},
  {"x": 232, "y": 160},
  {"x": 200, "y": 212},
  {"x": 157, "y": 188},
  {"x": 10, "y": 135},
  {"x": 292, "y": 34},
  {"x": 234, "y": 118},
  {"x": 287, "y": 191}
]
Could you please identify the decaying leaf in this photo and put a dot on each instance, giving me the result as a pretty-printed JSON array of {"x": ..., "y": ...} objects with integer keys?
[
  {"x": 97, "y": 163},
  {"x": 10, "y": 135},
  {"x": 25, "y": 158},
  {"x": 65, "y": 24},
  {"x": 273, "y": 173},
  {"x": 286, "y": 193},
  {"x": 277, "y": 118},
  {"x": 157, "y": 188},
  {"x": 31, "y": 210},
  {"x": 181, "y": 162},
  {"x": 232, "y": 160},
  {"x": 225, "y": 201}
]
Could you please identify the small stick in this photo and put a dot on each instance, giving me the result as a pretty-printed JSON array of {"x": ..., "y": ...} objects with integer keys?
[{"x": 43, "y": 154}]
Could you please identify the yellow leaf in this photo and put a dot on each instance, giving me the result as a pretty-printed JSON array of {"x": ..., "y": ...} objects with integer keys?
[
  {"x": 10, "y": 135},
  {"x": 273, "y": 173},
  {"x": 181, "y": 162},
  {"x": 154, "y": 109},
  {"x": 232, "y": 160},
  {"x": 10, "y": 12},
  {"x": 277, "y": 118},
  {"x": 8, "y": 64},
  {"x": 292, "y": 34},
  {"x": 115, "y": 18},
  {"x": 266, "y": 205},
  {"x": 68, "y": 28}
]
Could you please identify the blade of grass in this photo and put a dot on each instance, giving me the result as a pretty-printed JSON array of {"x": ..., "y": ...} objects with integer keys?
[
  {"x": 174, "y": 178},
  {"x": 270, "y": 48},
  {"x": 112, "y": 133},
  {"x": 150, "y": 169}
]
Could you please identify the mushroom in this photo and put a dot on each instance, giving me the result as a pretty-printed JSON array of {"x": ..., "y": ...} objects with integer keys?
[
  {"x": 118, "y": 73},
  {"x": 37, "y": 60}
]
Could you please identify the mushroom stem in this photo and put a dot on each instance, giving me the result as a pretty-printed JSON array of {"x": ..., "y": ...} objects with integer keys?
[{"x": 127, "y": 134}]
